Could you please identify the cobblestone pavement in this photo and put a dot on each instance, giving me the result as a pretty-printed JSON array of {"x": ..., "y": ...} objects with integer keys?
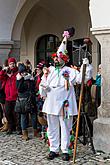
[{"x": 14, "y": 151}]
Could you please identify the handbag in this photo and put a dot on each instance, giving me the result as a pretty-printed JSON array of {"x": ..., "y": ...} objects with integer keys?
[
  {"x": 29, "y": 105},
  {"x": 24, "y": 105}
]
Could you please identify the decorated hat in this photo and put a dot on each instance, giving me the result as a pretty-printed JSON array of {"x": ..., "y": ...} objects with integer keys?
[
  {"x": 71, "y": 31},
  {"x": 11, "y": 59},
  {"x": 62, "y": 50}
]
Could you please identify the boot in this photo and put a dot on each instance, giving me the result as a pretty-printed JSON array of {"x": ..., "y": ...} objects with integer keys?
[
  {"x": 5, "y": 127},
  {"x": 25, "y": 135},
  {"x": 36, "y": 133}
]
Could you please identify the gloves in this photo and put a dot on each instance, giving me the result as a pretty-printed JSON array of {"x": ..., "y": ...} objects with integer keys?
[
  {"x": 85, "y": 61},
  {"x": 18, "y": 76},
  {"x": 5, "y": 68},
  {"x": 27, "y": 77}
]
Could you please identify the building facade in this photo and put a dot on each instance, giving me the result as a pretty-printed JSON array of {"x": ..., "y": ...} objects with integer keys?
[{"x": 31, "y": 29}]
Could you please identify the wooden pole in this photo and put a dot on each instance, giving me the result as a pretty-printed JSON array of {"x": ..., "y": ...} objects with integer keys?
[{"x": 79, "y": 112}]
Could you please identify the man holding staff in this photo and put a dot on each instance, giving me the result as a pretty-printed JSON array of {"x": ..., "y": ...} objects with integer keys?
[{"x": 60, "y": 103}]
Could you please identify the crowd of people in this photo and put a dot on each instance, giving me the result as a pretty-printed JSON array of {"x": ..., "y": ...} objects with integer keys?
[{"x": 47, "y": 96}]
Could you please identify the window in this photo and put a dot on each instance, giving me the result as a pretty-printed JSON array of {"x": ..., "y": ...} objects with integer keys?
[
  {"x": 80, "y": 51},
  {"x": 46, "y": 45}
]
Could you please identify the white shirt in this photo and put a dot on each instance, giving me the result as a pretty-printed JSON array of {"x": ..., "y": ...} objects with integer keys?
[{"x": 57, "y": 93}]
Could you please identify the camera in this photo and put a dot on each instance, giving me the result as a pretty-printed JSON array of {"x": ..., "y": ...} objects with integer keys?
[{"x": 9, "y": 71}]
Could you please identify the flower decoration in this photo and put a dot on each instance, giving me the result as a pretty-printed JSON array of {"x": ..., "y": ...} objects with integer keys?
[
  {"x": 64, "y": 57},
  {"x": 66, "y": 77},
  {"x": 66, "y": 103},
  {"x": 54, "y": 55},
  {"x": 66, "y": 34},
  {"x": 66, "y": 74}
]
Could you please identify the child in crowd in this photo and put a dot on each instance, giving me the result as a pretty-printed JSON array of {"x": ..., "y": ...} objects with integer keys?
[
  {"x": 42, "y": 117},
  {"x": 39, "y": 102},
  {"x": 98, "y": 86}
]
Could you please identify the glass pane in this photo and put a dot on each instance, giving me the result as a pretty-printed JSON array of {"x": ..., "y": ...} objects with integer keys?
[
  {"x": 42, "y": 45},
  {"x": 46, "y": 46}
]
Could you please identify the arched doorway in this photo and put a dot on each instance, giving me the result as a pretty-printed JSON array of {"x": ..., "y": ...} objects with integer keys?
[
  {"x": 45, "y": 46},
  {"x": 31, "y": 22}
]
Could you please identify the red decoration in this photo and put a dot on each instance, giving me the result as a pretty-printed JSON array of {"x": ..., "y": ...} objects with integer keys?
[
  {"x": 48, "y": 142},
  {"x": 71, "y": 145},
  {"x": 54, "y": 55},
  {"x": 87, "y": 41},
  {"x": 64, "y": 57}
]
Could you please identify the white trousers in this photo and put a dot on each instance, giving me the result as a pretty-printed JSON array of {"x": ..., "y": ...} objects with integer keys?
[{"x": 54, "y": 125}]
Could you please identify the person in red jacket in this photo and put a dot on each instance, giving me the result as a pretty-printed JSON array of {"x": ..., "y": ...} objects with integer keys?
[{"x": 8, "y": 75}]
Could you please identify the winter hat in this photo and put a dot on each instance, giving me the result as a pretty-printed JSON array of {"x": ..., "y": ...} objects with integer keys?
[
  {"x": 43, "y": 62},
  {"x": 62, "y": 51},
  {"x": 21, "y": 68},
  {"x": 11, "y": 59},
  {"x": 40, "y": 66}
]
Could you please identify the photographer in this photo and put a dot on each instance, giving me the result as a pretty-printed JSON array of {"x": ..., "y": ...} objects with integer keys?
[
  {"x": 26, "y": 103},
  {"x": 8, "y": 77}
]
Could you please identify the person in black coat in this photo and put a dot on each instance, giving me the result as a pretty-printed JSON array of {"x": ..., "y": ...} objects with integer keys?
[{"x": 26, "y": 90}]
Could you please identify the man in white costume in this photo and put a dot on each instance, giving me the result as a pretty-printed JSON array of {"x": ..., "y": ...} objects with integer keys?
[{"x": 60, "y": 103}]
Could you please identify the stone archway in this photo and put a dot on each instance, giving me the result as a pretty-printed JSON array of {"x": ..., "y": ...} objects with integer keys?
[
  {"x": 70, "y": 9},
  {"x": 24, "y": 17},
  {"x": 38, "y": 18},
  {"x": 23, "y": 9}
]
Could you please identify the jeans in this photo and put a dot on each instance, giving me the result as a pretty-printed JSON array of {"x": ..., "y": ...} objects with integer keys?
[{"x": 25, "y": 120}]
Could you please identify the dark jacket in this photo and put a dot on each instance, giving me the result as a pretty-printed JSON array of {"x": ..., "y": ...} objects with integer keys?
[{"x": 26, "y": 89}]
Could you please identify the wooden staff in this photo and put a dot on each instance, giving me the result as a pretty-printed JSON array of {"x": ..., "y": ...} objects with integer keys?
[{"x": 79, "y": 111}]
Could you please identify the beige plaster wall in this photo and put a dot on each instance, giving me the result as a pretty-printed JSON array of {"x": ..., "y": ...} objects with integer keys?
[
  {"x": 100, "y": 11},
  {"x": 43, "y": 20},
  {"x": 27, "y": 20},
  {"x": 7, "y": 13}
]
